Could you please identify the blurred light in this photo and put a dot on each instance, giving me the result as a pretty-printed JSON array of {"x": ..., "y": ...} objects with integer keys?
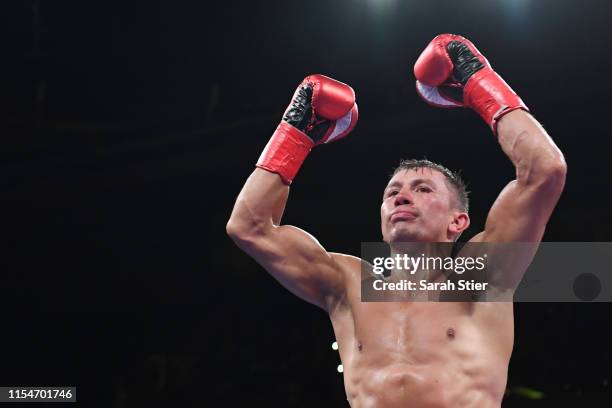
[
  {"x": 340, "y": 368},
  {"x": 382, "y": 3},
  {"x": 516, "y": 11},
  {"x": 382, "y": 7},
  {"x": 528, "y": 393},
  {"x": 335, "y": 345}
]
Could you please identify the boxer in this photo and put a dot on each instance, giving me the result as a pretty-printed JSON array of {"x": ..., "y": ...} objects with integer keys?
[{"x": 407, "y": 354}]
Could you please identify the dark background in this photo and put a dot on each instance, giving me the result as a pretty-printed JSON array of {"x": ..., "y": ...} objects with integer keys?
[{"x": 128, "y": 129}]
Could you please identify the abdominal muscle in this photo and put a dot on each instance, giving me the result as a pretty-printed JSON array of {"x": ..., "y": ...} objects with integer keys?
[{"x": 424, "y": 354}]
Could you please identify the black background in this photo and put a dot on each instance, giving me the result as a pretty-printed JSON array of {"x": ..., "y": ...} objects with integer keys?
[{"x": 128, "y": 129}]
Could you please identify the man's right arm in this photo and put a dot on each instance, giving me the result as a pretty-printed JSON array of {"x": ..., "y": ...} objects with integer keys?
[
  {"x": 322, "y": 110},
  {"x": 292, "y": 256}
]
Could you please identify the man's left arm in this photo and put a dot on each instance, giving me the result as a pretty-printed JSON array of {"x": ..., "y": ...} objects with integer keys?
[
  {"x": 525, "y": 205},
  {"x": 451, "y": 72},
  {"x": 522, "y": 210}
]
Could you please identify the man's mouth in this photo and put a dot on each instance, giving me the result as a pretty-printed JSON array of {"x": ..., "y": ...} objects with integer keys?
[{"x": 402, "y": 215}]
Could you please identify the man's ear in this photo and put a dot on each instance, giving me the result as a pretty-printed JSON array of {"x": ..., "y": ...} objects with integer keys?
[{"x": 459, "y": 223}]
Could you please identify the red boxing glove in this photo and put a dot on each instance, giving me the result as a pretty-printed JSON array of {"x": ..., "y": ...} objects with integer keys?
[
  {"x": 452, "y": 73},
  {"x": 322, "y": 110}
]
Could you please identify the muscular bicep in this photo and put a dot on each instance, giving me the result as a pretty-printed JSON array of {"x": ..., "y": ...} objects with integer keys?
[
  {"x": 520, "y": 213},
  {"x": 299, "y": 262},
  {"x": 514, "y": 227},
  {"x": 523, "y": 208}
]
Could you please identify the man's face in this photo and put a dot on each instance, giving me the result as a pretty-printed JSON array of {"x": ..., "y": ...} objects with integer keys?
[{"x": 418, "y": 205}]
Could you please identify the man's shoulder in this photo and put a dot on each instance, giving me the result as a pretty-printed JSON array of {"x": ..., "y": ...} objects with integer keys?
[
  {"x": 353, "y": 267},
  {"x": 346, "y": 261}
]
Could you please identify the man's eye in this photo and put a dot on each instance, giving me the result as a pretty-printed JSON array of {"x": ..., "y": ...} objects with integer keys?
[
  {"x": 392, "y": 192},
  {"x": 423, "y": 189}
]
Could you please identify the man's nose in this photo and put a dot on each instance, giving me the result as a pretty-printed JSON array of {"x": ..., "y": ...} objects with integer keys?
[{"x": 403, "y": 198}]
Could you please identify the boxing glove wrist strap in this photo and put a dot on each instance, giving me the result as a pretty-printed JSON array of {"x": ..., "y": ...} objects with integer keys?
[
  {"x": 491, "y": 97},
  {"x": 285, "y": 152}
]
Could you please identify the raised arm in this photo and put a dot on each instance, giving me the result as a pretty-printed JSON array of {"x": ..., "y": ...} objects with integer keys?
[
  {"x": 524, "y": 206},
  {"x": 451, "y": 72},
  {"x": 322, "y": 110}
]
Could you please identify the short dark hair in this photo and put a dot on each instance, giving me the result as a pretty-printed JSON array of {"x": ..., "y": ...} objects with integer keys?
[{"x": 452, "y": 178}]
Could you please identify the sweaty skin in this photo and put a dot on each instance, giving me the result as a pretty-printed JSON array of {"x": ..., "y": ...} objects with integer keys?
[
  {"x": 421, "y": 354},
  {"x": 412, "y": 354}
]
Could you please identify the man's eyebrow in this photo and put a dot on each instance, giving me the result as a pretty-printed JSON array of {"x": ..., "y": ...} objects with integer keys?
[
  {"x": 414, "y": 182},
  {"x": 396, "y": 183},
  {"x": 421, "y": 180}
]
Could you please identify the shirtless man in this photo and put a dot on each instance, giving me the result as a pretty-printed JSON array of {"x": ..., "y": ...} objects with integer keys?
[{"x": 406, "y": 354}]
